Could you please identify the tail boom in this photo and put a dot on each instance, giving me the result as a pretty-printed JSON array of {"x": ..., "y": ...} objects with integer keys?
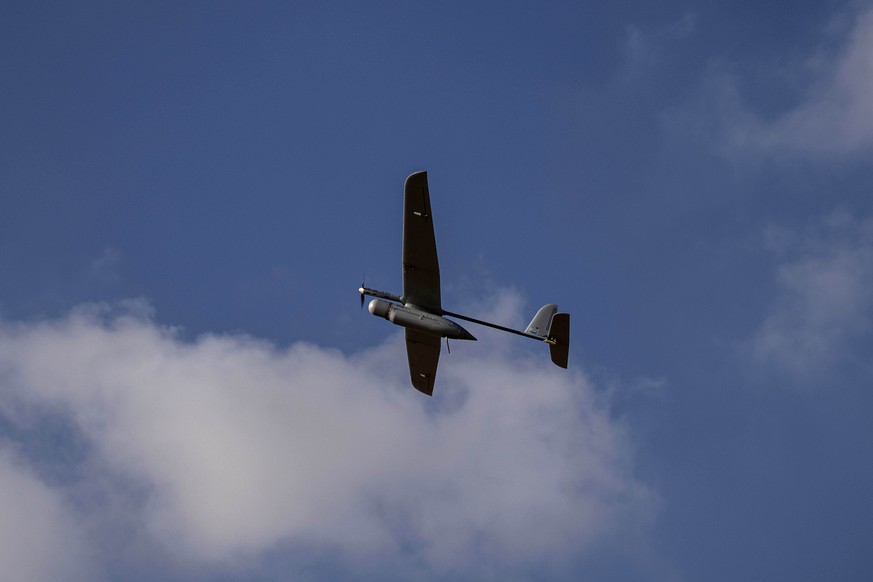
[{"x": 547, "y": 326}]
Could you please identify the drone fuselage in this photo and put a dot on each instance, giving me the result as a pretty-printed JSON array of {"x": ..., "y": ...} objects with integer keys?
[{"x": 419, "y": 319}]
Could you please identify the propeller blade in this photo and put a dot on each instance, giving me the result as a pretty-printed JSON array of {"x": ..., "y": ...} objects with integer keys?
[{"x": 361, "y": 291}]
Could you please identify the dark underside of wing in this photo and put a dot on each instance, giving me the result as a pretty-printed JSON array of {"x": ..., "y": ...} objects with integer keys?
[
  {"x": 423, "y": 351},
  {"x": 421, "y": 270}
]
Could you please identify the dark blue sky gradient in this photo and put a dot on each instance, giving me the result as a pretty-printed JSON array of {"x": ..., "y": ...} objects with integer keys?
[{"x": 241, "y": 166}]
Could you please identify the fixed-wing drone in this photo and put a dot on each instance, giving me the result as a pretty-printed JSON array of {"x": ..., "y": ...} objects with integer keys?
[{"x": 419, "y": 309}]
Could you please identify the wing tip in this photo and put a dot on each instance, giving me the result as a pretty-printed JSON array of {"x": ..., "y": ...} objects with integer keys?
[
  {"x": 422, "y": 382},
  {"x": 417, "y": 176}
]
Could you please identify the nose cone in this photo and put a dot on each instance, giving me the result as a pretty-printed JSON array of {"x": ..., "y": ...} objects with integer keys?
[{"x": 379, "y": 308}]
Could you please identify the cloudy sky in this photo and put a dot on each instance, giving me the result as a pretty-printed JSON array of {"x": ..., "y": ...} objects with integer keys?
[{"x": 191, "y": 193}]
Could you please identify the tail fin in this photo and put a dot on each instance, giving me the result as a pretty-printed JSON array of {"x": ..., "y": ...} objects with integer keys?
[
  {"x": 559, "y": 336},
  {"x": 542, "y": 321},
  {"x": 554, "y": 329}
]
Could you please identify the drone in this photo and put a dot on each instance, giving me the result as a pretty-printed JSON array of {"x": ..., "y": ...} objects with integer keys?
[{"x": 420, "y": 310}]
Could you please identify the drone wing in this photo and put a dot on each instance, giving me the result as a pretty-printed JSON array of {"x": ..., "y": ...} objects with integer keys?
[
  {"x": 421, "y": 279},
  {"x": 423, "y": 351},
  {"x": 421, "y": 269}
]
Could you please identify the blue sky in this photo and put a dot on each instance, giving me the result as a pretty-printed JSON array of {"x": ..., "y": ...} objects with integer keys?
[{"x": 191, "y": 193}]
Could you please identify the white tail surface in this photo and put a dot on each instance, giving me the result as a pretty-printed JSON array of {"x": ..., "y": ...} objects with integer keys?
[{"x": 542, "y": 321}]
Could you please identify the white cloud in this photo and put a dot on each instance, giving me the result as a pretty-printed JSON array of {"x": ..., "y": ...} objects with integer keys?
[
  {"x": 242, "y": 448},
  {"x": 833, "y": 118},
  {"x": 38, "y": 536},
  {"x": 825, "y": 302},
  {"x": 642, "y": 49},
  {"x": 107, "y": 261}
]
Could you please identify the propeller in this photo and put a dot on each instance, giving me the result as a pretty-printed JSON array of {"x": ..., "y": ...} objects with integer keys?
[{"x": 361, "y": 291}]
